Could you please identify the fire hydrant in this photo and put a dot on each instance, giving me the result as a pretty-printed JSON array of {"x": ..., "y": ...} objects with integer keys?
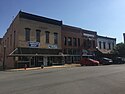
[
  {"x": 25, "y": 66},
  {"x": 42, "y": 66}
]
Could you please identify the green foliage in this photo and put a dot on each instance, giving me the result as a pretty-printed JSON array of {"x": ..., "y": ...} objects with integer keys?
[{"x": 119, "y": 50}]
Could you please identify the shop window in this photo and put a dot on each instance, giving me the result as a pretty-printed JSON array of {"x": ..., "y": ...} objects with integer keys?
[
  {"x": 23, "y": 58},
  {"x": 69, "y": 58},
  {"x": 69, "y": 51},
  {"x": 65, "y": 51},
  {"x": 78, "y": 51},
  {"x": 74, "y": 51}
]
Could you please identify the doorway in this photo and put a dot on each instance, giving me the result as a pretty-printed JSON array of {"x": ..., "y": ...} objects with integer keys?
[{"x": 33, "y": 61}]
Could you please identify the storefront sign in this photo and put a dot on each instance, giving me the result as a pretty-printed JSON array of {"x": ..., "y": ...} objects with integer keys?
[
  {"x": 52, "y": 46},
  {"x": 87, "y": 52},
  {"x": 88, "y": 35},
  {"x": 33, "y": 44}
]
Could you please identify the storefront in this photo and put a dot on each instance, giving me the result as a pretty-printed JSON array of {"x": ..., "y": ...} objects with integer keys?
[{"x": 35, "y": 57}]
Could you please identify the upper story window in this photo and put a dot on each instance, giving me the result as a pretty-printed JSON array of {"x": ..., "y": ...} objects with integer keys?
[
  {"x": 104, "y": 47},
  {"x": 8, "y": 42},
  {"x": 69, "y": 41},
  {"x": 109, "y": 45},
  {"x": 47, "y": 36},
  {"x": 27, "y": 34},
  {"x": 10, "y": 39},
  {"x": 55, "y": 38},
  {"x": 112, "y": 45},
  {"x": 87, "y": 43},
  {"x": 38, "y": 35},
  {"x": 100, "y": 45},
  {"x": 3, "y": 43},
  {"x": 14, "y": 39},
  {"x": 78, "y": 41},
  {"x": 65, "y": 41},
  {"x": 93, "y": 42},
  {"x": 74, "y": 42}
]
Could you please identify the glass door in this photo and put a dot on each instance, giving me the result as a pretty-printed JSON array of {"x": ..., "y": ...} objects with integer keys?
[{"x": 33, "y": 60}]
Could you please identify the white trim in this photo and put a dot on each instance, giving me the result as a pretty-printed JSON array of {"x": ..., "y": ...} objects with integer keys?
[{"x": 13, "y": 51}]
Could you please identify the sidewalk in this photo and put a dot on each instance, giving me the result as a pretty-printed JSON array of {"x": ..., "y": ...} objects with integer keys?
[{"x": 48, "y": 67}]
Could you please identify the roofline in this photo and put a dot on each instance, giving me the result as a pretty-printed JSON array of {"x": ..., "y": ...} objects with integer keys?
[
  {"x": 73, "y": 27},
  {"x": 30, "y": 16},
  {"x": 78, "y": 28},
  {"x": 106, "y": 37}
]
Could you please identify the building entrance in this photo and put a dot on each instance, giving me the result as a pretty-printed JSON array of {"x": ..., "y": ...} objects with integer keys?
[
  {"x": 36, "y": 61},
  {"x": 33, "y": 61}
]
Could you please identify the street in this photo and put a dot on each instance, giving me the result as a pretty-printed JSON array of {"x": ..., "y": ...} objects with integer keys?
[{"x": 109, "y": 79}]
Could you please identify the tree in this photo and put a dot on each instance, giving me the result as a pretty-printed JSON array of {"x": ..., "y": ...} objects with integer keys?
[{"x": 119, "y": 50}]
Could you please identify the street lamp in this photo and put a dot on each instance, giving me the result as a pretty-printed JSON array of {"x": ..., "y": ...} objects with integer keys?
[{"x": 4, "y": 55}]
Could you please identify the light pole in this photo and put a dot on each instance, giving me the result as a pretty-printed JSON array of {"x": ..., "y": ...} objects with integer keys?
[{"x": 4, "y": 55}]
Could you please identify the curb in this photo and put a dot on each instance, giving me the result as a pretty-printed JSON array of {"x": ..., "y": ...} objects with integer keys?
[{"x": 52, "y": 67}]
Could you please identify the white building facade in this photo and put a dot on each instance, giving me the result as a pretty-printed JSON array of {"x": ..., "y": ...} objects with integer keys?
[{"x": 105, "y": 44}]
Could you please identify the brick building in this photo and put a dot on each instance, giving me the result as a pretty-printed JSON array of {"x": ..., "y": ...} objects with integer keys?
[
  {"x": 36, "y": 40},
  {"x": 77, "y": 42},
  {"x": 32, "y": 40},
  {"x": 71, "y": 43},
  {"x": 89, "y": 43},
  {"x": 1, "y": 58}
]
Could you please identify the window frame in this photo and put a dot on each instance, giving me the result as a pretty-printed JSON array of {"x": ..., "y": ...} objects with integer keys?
[
  {"x": 47, "y": 36},
  {"x": 55, "y": 38},
  {"x": 38, "y": 32},
  {"x": 74, "y": 41},
  {"x": 27, "y": 34},
  {"x": 69, "y": 41}
]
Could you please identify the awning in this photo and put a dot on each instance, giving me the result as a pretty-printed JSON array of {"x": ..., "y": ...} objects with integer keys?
[
  {"x": 30, "y": 52},
  {"x": 31, "y": 55},
  {"x": 35, "y": 52}
]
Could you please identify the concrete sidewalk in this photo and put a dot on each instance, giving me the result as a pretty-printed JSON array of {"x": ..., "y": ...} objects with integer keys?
[{"x": 48, "y": 67}]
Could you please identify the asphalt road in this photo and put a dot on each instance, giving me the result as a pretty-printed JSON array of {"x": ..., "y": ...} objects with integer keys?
[{"x": 78, "y": 80}]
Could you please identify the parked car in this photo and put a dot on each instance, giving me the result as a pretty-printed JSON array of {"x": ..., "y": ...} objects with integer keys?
[
  {"x": 118, "y": 60},
  {"x": 89, "y": 62},
  {"x": 106, "y": 61}
]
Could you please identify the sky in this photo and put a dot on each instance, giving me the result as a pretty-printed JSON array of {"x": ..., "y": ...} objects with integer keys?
[{"x": 106, "y": 17}]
